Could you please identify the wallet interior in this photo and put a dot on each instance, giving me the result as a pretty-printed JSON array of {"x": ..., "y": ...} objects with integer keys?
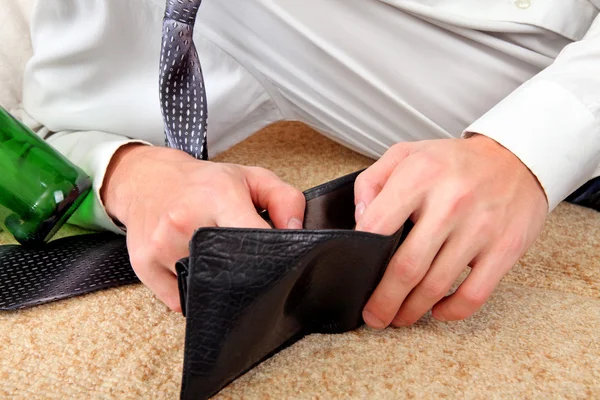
[{"x": 329, "y": 206}]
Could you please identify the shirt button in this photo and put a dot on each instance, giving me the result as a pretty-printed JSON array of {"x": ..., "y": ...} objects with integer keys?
[{"x": 523, "y": 4}]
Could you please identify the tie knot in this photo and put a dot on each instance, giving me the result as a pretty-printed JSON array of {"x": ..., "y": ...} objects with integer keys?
[{"x": 182, "y": 10}]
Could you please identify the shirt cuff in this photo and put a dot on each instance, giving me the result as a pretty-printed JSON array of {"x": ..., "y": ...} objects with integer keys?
[
  {"x": 550, "y": 131},
  {"x": 92, "y": 212}
]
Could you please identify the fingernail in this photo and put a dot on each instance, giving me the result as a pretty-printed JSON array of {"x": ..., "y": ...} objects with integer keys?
[
  {"x": 372, "y": 320},
  {"x": 294, "y": 223},
  {"x": 360, "y": 209}
]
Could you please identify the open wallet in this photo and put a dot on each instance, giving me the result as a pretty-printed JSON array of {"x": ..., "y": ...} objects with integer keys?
[
  {"x": 249, "y": 293},
  {"x": 246, "y": 293}
]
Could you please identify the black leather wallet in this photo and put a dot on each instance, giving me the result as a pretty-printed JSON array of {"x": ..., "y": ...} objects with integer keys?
[{"x": 249, "y": 293}]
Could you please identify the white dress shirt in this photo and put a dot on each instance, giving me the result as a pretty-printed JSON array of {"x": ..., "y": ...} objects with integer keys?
[{"x": 366, "y": 73}]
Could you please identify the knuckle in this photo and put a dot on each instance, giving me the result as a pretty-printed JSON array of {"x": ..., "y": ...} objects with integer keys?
[
  {"x": 484, "y": 224},
  {"x": 267, "y": 173},
  {"x": 443, "y": 221},
  {"x": 361, "y": 180},
  {"x": 407, "y": 269},
  {"x": 259, "y": 170},
  {"x": 400, "y": 149},
  {"x": 177, "y": 217},
  {"x": 426, "y": 160},
  {"x": 461, "y": 197},
  {"x": 140, "y": 260},
  {"x": 294, "y": 195},
  {"x": 434, "y": 289},
  {"x": 365, "y": 181},
  {"x": 263, "y": 173},
  {"x": 156, "y": 241},
  {"x": 473, "y": 299},
  {"x": 512, "y": 245},
  {"x": 370, "y": 222},
  {"x": 425, "y": 168}
]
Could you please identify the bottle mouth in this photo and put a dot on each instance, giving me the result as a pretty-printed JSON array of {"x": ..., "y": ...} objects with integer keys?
[{"x": 65, "y": 207}]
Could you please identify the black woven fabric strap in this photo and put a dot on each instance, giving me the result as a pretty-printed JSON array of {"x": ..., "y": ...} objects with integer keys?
[{"x": 61, "y": 269}]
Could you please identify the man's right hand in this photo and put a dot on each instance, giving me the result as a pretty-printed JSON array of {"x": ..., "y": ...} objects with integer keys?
[{"x": 163, "y": 195}]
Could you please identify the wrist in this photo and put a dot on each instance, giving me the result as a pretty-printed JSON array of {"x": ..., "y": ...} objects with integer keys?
[
  {"x": 116, "y": 191},
  {"x": 506, "y": 159}
]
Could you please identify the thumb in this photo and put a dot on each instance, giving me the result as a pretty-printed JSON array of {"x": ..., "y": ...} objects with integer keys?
[
  {"x": 370, "y": 182},
  {"x": 284, "y": 202}
]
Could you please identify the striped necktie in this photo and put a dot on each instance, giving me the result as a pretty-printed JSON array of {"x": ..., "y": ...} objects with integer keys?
[{"x": 182, "y": 92}]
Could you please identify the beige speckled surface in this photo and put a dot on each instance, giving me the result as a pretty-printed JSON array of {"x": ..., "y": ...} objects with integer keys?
[{"x": 539, "y": 335}]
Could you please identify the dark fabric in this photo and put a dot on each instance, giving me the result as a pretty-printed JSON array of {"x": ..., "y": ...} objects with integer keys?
[
  {"x": 588, "y": 195},
  {"x": 61, "y": 269},
  {"x": 182, "y": 92}
]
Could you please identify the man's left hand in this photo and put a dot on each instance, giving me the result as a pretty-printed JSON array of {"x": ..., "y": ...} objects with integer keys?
[{"x": 473, "y": 202}]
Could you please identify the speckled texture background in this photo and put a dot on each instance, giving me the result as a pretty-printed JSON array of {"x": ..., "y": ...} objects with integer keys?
[{"x": 538, "y": 336}]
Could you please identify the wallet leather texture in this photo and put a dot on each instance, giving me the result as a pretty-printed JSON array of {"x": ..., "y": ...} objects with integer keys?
[
  {"x": 61, "y": 269},
  {"x": 248, "y": 293}
]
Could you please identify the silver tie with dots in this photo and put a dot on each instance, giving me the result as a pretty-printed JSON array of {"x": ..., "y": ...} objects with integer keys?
[{"x": 182, "y": 94}]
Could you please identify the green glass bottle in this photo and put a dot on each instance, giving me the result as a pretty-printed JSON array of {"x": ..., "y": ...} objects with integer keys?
[{"x": 39, "y": 187}]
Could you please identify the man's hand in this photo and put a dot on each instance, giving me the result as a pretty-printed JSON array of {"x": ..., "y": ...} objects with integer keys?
[
  {"x": 473, "y": 204},
  {"x": 163, "y": 195}
]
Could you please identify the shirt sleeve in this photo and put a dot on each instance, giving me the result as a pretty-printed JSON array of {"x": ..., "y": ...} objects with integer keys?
[
  {"x": 552, "y": 122},
  {"x": 92, "y": 151}
]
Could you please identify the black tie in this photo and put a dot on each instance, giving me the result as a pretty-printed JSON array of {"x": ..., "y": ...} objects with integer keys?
[{"x": 182, "y": 93}]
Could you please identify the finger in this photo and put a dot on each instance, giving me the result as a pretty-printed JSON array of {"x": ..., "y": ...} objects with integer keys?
[
  {"x": 371, "y": 181},
  {"x": 485, "y": 275},
  {"x": 285, "y": 203},
  {"x": 458, "y": 251},
  {"x": 406, "y": 269},
  {"x": 398, "y": 200},
  {"x": 161, "y": 281},
  {"x": 170, "y": 240},
  {"x": 238, "y": 211}
]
